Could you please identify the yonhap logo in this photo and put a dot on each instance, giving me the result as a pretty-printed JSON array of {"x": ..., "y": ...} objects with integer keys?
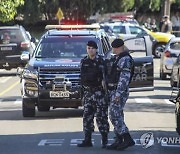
[{"x": 147, "y": 140}]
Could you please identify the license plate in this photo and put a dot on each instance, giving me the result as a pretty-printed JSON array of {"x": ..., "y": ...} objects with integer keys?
[
  {"x": 60, "y": 94},
  {"x": 6, "y": 48}
]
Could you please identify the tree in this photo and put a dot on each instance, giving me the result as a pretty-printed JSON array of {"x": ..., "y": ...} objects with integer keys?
[
  {"x": 49, "y": 8},
  {"x": 8, "y": 9},
  {"x": 147, "y": 5},
  {"x": 30, "y": 11}
]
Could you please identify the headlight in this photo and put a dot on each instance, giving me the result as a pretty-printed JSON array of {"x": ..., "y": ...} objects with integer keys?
[{"x": 30, "y": 74}]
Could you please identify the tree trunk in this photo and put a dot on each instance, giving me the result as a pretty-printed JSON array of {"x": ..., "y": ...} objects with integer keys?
[{"x": 166, "y": 8}]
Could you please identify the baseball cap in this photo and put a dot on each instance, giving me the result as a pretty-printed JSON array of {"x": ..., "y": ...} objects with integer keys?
[
  {"x": 117, "y": 43},
  {"x": 92, "y": 44}
]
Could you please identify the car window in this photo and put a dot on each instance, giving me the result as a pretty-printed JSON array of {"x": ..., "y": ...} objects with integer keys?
[
  {"x": 175, "y": 45},
  {"x": 119, "y": 29},
  {"x": 63, "y": 47},
  {"x": 135, "y": 30},
  {"x": 136, "y": 47},
  {"x": 14, "y": 35},
  {"x": 133, "y": 22}
]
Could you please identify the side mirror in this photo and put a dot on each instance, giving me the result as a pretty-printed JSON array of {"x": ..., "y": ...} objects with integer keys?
[{"x": 25, "y": 56}]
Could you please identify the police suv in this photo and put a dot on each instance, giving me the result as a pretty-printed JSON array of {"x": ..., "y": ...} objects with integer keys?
[{"x": 51, "y": 78}]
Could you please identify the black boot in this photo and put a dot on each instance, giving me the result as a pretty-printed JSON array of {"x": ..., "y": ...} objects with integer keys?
[
  {"x": 104, "y": 140},
  {"x": 118, "y": 141},
  {"x": 87, "y": 141},
  {"x": 127, "y": 142}
]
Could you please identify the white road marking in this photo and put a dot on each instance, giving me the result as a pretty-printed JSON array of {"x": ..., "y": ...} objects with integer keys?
[
  {"x": 74, "y": 142},
  {"x": 51, "y": 142},
  {"x": 143, "y": 100},
  {"x": 168, "y": 102},
  {"x": 18, "y": 101},
  {"x": 4, "y": 79},
  {"x": 9, "y": 109}
]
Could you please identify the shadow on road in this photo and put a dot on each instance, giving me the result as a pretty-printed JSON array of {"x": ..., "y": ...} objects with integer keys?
[{"x": 66, "y": 143}]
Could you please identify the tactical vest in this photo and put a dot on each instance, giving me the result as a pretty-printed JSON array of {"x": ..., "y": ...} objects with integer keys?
[
  {"x": 114, "y": 72},
  {"x": 91, "y": 73}
]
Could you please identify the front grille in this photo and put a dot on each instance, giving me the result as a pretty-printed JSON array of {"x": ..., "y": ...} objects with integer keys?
[{"x": 47, "y": 77}]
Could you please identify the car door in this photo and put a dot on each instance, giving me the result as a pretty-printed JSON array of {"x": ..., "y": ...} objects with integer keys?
[{"x": 141, "y": 51}]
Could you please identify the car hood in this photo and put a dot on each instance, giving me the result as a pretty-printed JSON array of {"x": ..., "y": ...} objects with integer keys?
[
  {"x": 161, "y": 37},
  {"x": 54, "y": 63}
]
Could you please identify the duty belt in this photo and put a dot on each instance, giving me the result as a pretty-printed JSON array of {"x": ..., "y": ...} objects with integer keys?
[{"x": 93, "y": 89}]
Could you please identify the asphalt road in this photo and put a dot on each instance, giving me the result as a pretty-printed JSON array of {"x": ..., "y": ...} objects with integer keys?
[{"x": 58, "y": 131}]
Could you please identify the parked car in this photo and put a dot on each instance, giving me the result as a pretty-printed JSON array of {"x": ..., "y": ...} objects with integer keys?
[
  {"x": 168, "y": 58},
  {"x": 127, "y": 30},
  {"x": 52, "y": 76},
  {"x": 13, "y": 41}
]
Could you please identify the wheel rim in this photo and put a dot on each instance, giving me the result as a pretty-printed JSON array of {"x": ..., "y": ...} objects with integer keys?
[{"x": 157, "y": 51}]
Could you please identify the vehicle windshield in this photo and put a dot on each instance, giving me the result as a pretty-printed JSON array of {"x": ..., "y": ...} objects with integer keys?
[
  {"x": 10, "y": 36},
  {"x": 63, "y": 47},
  {"x": 119, "y": 29}
]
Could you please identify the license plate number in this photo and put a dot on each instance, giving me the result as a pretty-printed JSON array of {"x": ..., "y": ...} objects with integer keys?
[
  {"x": 6, "y": 48},
  {"x": 60, "y": 94}
]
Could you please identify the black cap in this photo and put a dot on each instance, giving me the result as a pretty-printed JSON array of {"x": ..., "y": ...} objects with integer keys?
[
  {"x": 92, "y": 44},
  {"x": 117, "y": 43}
]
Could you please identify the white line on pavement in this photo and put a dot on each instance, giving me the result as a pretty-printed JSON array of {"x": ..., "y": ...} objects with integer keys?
[
  {"x": 168, "y": 102},
  {"x": 143, "y": 100},
  {"x": 18, "y": 101},
  {"x": 5, "y": 109},
  {"x": 4, "y": 79},
  {"x": 51, "y": 142}
]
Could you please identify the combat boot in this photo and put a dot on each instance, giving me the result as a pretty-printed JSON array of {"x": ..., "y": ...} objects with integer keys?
[
  {"x": 127, "y": 142},
  {"x": 118, "y": 141},
  {"x": 87, "y": 141},
  {"x": 104, "y": 140}
]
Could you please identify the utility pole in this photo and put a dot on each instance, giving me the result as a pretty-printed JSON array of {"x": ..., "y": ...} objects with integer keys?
[{"x": 166, "y": 7}]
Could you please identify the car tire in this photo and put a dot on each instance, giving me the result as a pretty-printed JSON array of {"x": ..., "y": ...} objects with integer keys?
[
  {"x": 28, "y": 108},
  {"x": 156, "y": 50},
  {"x": 43, "y": 108},
  {"x": 162, "y": 75}
]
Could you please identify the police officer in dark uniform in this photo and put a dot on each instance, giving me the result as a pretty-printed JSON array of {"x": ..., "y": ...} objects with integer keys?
[
  {"x": 93, "y": 96},
  {"x": 119, "y": 76}
]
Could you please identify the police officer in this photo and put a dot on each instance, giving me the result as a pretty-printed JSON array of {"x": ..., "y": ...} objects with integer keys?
[
  {"x": 119, "y": 77},
  {"x": 93, "y": 96}
]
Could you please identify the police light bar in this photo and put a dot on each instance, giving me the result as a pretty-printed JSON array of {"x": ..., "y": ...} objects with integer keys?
[{"x": 72, "y": 27}]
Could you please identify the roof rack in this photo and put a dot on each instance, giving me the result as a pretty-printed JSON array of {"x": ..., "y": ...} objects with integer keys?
[{"x": 72, "y": 27}]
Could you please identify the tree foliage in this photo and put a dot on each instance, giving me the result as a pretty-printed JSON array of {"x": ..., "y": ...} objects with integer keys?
[
  {"x": 34, "y": 10},
  {"x": 147, "y": 5},
  {"x": 8, "y": 9}
]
